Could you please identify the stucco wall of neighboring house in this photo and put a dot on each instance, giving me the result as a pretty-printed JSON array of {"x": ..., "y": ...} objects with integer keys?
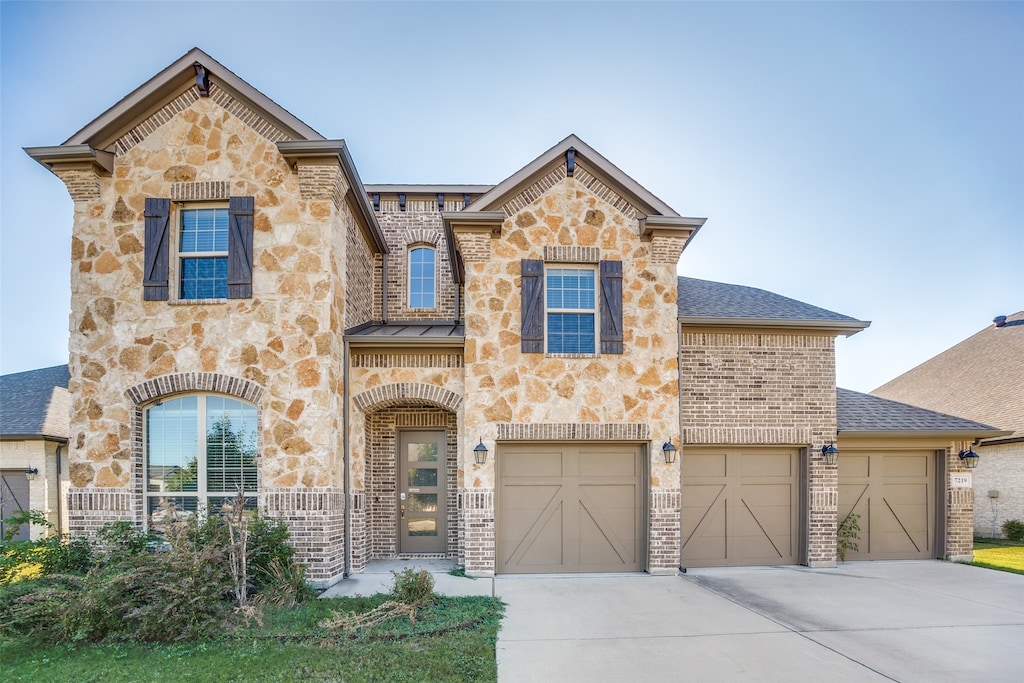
[
  {"x": 285, "y": 339},
  {"x": 753, "y": 387},
  {"x": 539, "y": 396},
  {"x": 999, "y": 470},
  {"x": 47, "y": 490}
]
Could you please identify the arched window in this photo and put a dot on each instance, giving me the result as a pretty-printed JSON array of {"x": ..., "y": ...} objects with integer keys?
[
  {"x": 200, "y": 452},
  {"x": 422, "y": 277}
]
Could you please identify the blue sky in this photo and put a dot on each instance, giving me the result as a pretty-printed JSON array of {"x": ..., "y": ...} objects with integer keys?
[{"x": 867, "y": 158}]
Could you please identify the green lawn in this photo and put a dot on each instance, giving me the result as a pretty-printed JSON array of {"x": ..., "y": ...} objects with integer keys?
[
  {"x": 997, "y": 554},
  {"x": 452, "y": 639}
]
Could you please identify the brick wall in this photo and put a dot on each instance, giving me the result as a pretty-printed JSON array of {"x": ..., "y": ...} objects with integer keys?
[
  {"x": 767, "y": 388},
  {"x": 663, "y": 531},
  {"x": 477, "y": 531},
  {"x": 316, "y": 520},
  {"x": 419, "y": 224},
  {"x": 1001, "y": 469}
]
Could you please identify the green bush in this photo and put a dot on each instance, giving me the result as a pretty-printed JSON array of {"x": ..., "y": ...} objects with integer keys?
[
  {"x": 39, "y": 608},
  {"x": 283, "y": 584},
  {"x": 268, "y": 547},
  {"x": 847, "y": 535},
  {"x": 413, "y": 587},
  {"x": 52, "y": 554},
  {"x": 1013, "y": 530}
]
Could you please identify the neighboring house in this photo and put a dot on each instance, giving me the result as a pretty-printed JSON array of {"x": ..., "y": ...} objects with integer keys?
[
  {"x": 33, "y": 441},
  {"x": 981, "y": 378},
  {"x": 501, "y": 375}
]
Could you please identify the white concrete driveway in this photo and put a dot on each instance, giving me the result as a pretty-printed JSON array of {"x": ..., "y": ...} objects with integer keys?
[{"x": 871, "y": 621}]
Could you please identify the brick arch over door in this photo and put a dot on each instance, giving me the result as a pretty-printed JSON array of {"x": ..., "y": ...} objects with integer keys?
[
  {"x": 404, "y": 393},
  {"x": 180, "y": 383}
]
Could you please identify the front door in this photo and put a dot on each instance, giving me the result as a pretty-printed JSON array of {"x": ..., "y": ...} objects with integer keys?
[{"x": 421, "y": 496}]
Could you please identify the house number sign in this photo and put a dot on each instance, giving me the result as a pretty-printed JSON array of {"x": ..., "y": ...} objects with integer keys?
[{"x": 960, "y": 480}]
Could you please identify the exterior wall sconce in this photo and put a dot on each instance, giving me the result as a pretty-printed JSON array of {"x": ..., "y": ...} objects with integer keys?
[
  {"x": 480, "y": 452},
  {"x": 831, "y": 454},
  {"x": 31, "y": 472},
  {"x": 969, "y": 458},
  {"x": 669, "y": 451}
]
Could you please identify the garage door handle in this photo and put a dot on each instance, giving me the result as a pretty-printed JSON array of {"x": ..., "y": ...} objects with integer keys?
[{"x": 403, "y": 511}]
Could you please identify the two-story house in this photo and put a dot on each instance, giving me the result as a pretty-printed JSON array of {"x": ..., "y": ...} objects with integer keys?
[{"x": 511, "y": 376}]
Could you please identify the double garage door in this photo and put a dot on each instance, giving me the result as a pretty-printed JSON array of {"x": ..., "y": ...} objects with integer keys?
[{"x": 566, "y": 508}]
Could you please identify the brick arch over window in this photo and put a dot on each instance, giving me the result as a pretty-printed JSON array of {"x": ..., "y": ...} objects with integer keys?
[
  {"x": 180, "y": 383},
  {"x": 422, "y": 236},
  {"x": 404, "y": 393},
  {"x": 212, "y": 382}
]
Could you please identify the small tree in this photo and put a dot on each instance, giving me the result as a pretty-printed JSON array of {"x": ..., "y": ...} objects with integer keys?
[{"x": 847, "y": 535}]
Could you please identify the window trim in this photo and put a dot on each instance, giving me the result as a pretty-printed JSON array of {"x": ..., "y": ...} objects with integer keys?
[
  {"x": 594, "y": 312},
  {"x": 202, "y": 493},
  {"x": 178, "y": 256},
  {"x": 409, "y": 276}
]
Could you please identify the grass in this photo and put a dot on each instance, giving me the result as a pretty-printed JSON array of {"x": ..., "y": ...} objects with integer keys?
[
  {"x": 993, "y": 553},
  {"x": 452, "y": 639}
]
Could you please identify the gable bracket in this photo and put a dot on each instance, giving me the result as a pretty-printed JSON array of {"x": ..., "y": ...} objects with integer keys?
[{"x": 570, "y": 161}]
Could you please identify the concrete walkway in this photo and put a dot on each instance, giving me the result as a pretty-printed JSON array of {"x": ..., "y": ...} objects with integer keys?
[
  {"x": 378, "y": 579},
  {"x": 896, "y": 621}
]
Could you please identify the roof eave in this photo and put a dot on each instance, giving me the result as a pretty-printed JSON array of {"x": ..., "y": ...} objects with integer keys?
[
  {"x": 337, "y": 150},
  {"x": 73, "y": 155},
  {"x": 473, "y": 220},
  {"x": 26, "y": 437},
  {"x": 180, "y": 75},
  {"x": 847, "y": 328},
  {"x": 642, "y": 198},
  {"x": 910, "y": 433}
]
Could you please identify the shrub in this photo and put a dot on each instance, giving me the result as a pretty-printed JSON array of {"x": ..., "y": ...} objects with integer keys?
[
  {"x": 52, "y": 554},
  {"x": 283, "y": 584},
  {"x": 39, "y": 609},
  {"x": 267, "y": 545},
  {"x": 1013, "y": 530},
  {"x": 413, "y": 587},
  {"x": 847, "y": 535}
]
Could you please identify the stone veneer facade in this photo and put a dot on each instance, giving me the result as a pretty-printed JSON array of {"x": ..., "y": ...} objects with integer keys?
[{"x": 331, "y": 404}]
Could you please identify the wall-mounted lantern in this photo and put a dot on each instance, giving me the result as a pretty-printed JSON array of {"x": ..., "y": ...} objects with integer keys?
[
  {"x": 669, "y": 451},
  {"x": 969, "y": 458},
  {"x": 30, "y": 473},
  {"x": 480, "y": 452},
  {"x": 831, "y": 454}
]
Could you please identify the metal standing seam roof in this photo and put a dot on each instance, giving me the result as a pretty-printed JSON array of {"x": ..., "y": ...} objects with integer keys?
[
  {"x": 35, "y": 403},
  {"x": 410, "y": 332},
  {"x": 704, "y": 299},
  {"x": 857, "y": 412}
]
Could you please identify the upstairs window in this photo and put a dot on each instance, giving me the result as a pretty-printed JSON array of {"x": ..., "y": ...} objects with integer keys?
[
  {"x": 571, "y": 310},
  {"x": 422, "y": 277},
  {"x": 203, "y": 248},
  {"x": 200, "y": 452}
]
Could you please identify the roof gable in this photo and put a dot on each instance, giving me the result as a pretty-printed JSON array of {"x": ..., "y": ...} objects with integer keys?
[
  {"x": 980, "y": 378},
  {"x": 573, "y": 157},
  {"x": 144, "y": 104}
]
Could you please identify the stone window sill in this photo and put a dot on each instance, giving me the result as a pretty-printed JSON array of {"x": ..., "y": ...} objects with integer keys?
[{"x": 196, "y": 302}]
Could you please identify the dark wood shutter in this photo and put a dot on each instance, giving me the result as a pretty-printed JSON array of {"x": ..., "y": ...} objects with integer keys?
[
  {"x": 157, "y": 249},
  {"x": 611, "y": 306},
  {"x": 240, "y": 227},
  {"x": 533, "y": 306}
]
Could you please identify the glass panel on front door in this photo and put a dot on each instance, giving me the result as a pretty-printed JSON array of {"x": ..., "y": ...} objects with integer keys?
[{"x": 421, "y": 496}]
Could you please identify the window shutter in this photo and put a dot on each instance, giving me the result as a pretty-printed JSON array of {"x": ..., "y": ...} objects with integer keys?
[
  {"x": 157, "y": 249},
  {"x": 533, "y": 306},
  {"x": 611, "y": 306},
  {"x": 240, "y": 221}
]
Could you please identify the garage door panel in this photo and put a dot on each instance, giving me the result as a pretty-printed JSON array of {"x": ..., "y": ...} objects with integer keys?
[
  {"x": 748, "y": 516},
  {"x": 894, "y": 496},
  {"x": 595, "y": 524}
]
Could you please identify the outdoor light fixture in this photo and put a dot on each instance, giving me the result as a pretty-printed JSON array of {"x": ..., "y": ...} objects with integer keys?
[
  {"x": 31, "y": 472},
  {"x": 969, "y": 458},
  {"x": 669, "y": 451},
  {"x": 831, "y": 454},
  {"x": 480, "y": 452}
]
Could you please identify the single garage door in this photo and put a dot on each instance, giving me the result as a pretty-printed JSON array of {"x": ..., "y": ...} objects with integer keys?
[
  {"x": 740, "y": 506},
  {"x": 569, "y": 508},
  {"x": 14, "y": 497},
  {"x": 894, "y": 494}
]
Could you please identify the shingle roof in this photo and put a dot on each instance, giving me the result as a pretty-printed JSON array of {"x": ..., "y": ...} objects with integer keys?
[
  {"x": 857, "y": 412},
  {"x": 35, "y": 403},
  {"x": 704, "y": 299},
  {"x": 981, "y": 378}
]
